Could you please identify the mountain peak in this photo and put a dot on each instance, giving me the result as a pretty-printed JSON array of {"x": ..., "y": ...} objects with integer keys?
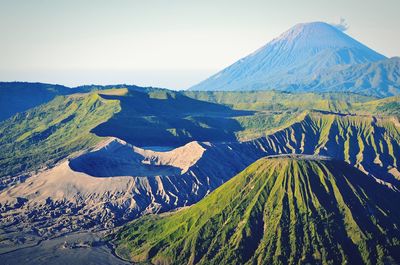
[
  {"x": 306, "y": 40},
  {"x": 318, "y": 35},
  {"x": 292, "y": 60},
  {"x": 307, "y": 28}
]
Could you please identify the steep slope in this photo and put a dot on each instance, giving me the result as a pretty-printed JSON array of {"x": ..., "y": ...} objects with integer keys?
[
  {"x": 302, "y": 59},
  {"x": 116, "y": 182},
  {"x": 366, "y": 142},
  {"x": 290, "y": 210}
]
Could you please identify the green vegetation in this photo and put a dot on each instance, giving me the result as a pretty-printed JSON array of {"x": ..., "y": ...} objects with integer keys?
[
  {"x": 277, "y": 211},
  {"x": 263, "y": 123},
  {"x": 146, "y": 117},
  {"x": 45, "y": 134},
  {"x": 383, "y": 107},
  {"x": 276, "y": 109},
  {"x": 50, "y": 132},
  {"x": 369, "y": 143},
  {"x": 18, "y": 97},
  {"x": 281, "y": 101}
]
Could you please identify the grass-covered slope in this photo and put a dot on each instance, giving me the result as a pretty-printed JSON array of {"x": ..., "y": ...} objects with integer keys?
[
  {"x": 381, "y": 107},
  {"x": 50, "y": 132},
  {"x": 273, "y": 100},
  {"x": 277, "y": 211},
  {"x": 45, "y": 134},
  {"x": 275, "y": 109},
  {"x": 16, "y": 97}
]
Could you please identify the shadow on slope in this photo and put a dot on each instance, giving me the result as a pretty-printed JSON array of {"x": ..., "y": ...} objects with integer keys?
[
  {"x": 20, "y": 96},
  {"x": 167, "y": 118}
]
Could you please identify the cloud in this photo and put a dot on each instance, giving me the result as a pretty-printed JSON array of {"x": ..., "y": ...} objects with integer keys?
[{"x": 342, "y": 25}]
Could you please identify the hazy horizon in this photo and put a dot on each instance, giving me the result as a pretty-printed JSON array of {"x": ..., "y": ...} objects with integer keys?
[{"x": 173, "y": 44}]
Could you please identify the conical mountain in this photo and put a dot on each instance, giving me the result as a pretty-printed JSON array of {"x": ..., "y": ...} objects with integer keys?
[
  {"x": 293, "y": 61},
  {"x": 282, "y": 210}
]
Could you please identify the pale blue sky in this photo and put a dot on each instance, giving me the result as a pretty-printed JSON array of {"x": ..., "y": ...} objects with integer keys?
[{"x": 167, "y": 43}]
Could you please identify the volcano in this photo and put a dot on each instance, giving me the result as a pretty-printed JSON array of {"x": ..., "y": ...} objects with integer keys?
[{"x": 303, "y": 59}]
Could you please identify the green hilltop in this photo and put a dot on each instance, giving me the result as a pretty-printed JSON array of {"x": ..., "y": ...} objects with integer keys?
[{"x": 282, "y": 210}]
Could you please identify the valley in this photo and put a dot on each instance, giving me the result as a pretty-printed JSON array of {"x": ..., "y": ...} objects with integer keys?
[{"x": 83, "y": 248}]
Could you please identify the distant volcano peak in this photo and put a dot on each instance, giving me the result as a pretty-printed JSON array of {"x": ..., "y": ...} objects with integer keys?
[
  {"x": 318, "y": 34},
  {"x": 294, "y": 59}
]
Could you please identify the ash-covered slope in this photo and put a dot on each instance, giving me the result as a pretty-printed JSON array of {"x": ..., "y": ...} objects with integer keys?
[
  {"x": 295, "y": 60},
  {"x": 114, "y": 183},
  {"x": 287, "y": 210}
]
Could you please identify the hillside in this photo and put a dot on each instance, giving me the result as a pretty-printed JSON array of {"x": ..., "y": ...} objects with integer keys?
[
  {"x": 278, "y": 109},
  {"x": 281, "y": 100},
  {"x": 380, "y": 78},
  {"x": 312, "y": 57},
  {"x": 294, "y": 210},
  {"x": 20, "y": 96},
  {"x": 115, "y": 182},
  {"x": 50, "y": 132},
  {"x": 382, "y": 107},
  {"x": 16, "y": 97},
  {"x": 368, "y": 143}
]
